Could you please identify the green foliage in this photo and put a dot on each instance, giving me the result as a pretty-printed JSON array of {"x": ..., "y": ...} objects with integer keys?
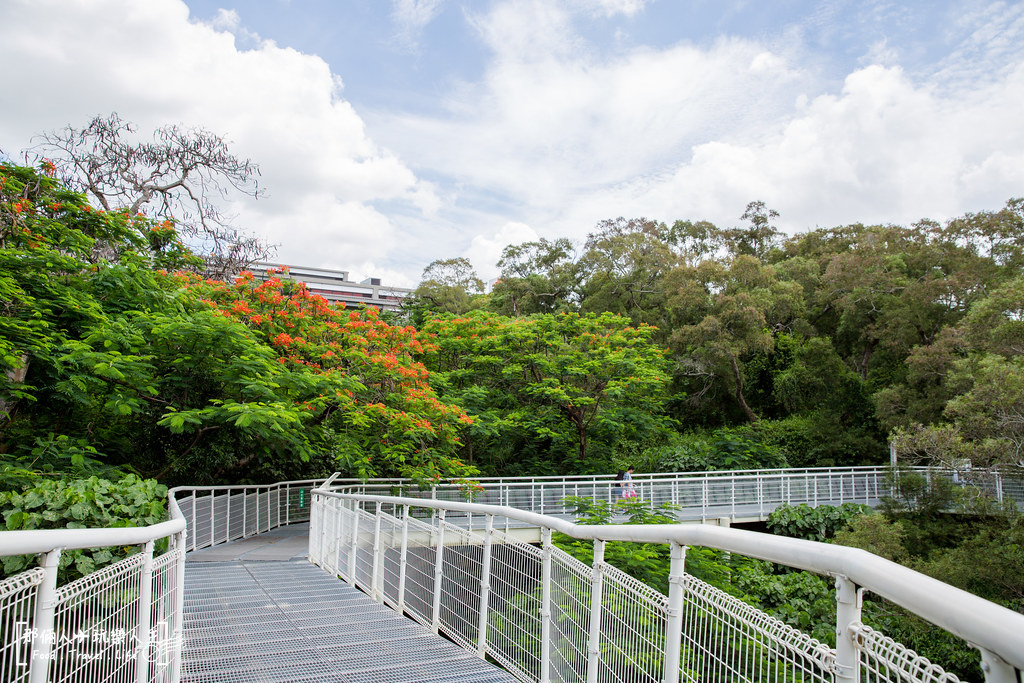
[
  {"x": 648, "y": 562},
  {"x": 722, "y": 449},
  {"x": 876, "y": 534},
  {"x": 549, "y": 393},
  {"x": 813, "y": 523},
  {"x": 80, "y": 504},
  {"x": 192, "y": 380}
]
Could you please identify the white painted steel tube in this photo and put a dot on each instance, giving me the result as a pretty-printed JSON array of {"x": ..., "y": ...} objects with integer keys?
[{"x": 44, "y": 540}]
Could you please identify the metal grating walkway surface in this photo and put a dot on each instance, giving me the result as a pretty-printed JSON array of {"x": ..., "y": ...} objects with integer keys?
[{"x": 289, "y": 621}]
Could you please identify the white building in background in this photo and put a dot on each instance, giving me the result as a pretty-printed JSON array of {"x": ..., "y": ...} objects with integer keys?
[{"x": 335, "y": 286}]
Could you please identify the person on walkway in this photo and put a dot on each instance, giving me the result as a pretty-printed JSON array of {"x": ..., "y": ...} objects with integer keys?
[{"x": 624, "y": 489}]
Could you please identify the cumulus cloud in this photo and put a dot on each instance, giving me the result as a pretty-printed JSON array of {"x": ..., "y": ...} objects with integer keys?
[{"x": 282, "y": 108}]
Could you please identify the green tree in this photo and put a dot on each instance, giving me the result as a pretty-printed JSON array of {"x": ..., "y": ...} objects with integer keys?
[
  {"x": 728, "y": 313},
  {"x": 623, "y": 266},
  {"x": 446, "y": 286},
  {"x": 557, "y": 381},
  {"x": 536, "y": 277}
]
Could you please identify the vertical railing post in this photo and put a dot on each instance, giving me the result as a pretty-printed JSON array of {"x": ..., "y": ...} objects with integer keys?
[
  {"x": 227, "y": 521},
  {"x": 674, "y": 625},
  {"x": 193, "y": 519},
  {"x": 999, "y": 487},
  {"x": 404, "y": 561},
  {"x": 375, "y": 593},
  {"x": 995, "y": 668},
  {"x": 46, "y": 605},
  {"x": 848, "y": 612},
  {"x": 760, "y": 496},
  {"x": 353, "y": 543},
  {"x": 145, "y": 607},
  {"x": 704, "y": 501},
  {"x": 178, "y": 632},
  {"x": 485, "y": 586},
  {"x": 594, "y": 641},
  {"x": 213, "y": 507},
  {"x": 545, "y": 606},
  {"x": 245, "y": 513},
  {"x": 435, "y": 618},
  {"x": 287, "y": 504}
]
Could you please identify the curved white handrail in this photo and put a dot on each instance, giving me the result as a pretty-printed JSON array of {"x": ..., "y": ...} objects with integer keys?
[{"x": 992, "y": 628}]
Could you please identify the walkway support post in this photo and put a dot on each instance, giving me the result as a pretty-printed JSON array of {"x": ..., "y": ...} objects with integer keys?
[
  {"x": 46, "y": 604},
  {"x": 435, "y": 618},
  {"x": 594, "y": 642},
  {"x": 485, "y": 586},
  {"x": 545, "y": 606},
  {"x": 674, "y": 625},
  {"x": 848, "y": 612}
]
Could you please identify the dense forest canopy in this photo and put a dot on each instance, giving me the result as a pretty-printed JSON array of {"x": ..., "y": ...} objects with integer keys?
[
  {"x": 668, "y": 346},
  {"x": 818, "y": 346}
]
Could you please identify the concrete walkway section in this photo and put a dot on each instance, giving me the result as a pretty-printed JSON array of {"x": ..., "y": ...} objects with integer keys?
[{"x": 289, "y": 621}]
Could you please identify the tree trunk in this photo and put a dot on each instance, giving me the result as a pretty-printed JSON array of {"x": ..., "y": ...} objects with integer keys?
[
  {"x": 738, "y": 377},
  {"x": 16, "y": 375}
]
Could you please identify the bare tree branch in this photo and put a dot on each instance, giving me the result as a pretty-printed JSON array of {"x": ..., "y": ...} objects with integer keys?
[{"x": 182, "y": 174}]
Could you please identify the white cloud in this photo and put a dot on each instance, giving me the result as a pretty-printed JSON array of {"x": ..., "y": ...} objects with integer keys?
[
  {"x": 411, "y": 17},
  {"x": 485, "y": 250},
  {"x": 277, "y": 106},
  {"x": 567, "y": 137}
]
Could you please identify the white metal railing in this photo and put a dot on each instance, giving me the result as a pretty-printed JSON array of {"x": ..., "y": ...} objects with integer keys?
[
  {"x": 120, "y": 623},
  {"x": 545, "y": 616},
  {"x": 220, "y": 514}
]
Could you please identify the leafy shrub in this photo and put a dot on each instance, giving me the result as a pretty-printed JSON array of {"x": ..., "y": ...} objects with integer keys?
[
  {"x": 722, "y": 449},
  {"x": 80, "y": 504},
  {"x": 821, "y": 439},
  {"x": 813, "y": 523}
]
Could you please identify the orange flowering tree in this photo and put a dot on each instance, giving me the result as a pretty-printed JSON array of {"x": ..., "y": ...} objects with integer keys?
[
  {"x": 375, "y": 408},
  {"x": 107, "y": 359}
]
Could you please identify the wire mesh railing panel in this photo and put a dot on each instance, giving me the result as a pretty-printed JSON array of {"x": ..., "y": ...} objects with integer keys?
[
  {"x": 363, "y": 550},
  {"x": 234, "y": 521},
  {"x": 17, "y": 605},
  {"x": 460, "y": 585},
  {"x": 164, "y": 617},
  {"x": 571, "y": 588},
  {"x": 633, "y": 619},
  {"x": 199, "y": 522},
  {"x": 514, "y": 606},
  {"x": 96, "y": 625},
  {"x": 419, "y": 571},
  {"x": 725, "y": 639},
  {"x": 883, "y": 659},
  {"x": 219, "y": 519},
  {"x": 390, "y": 558}
]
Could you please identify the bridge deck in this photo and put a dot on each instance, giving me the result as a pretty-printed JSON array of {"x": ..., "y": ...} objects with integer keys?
[{"x": 253, "y": 615}]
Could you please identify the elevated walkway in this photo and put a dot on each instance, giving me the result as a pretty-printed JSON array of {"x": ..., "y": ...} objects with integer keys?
[{"x": 256, "y": 610}]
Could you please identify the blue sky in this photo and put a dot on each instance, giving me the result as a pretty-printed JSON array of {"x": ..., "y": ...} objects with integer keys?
[{"x": 392, "y": 133}]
